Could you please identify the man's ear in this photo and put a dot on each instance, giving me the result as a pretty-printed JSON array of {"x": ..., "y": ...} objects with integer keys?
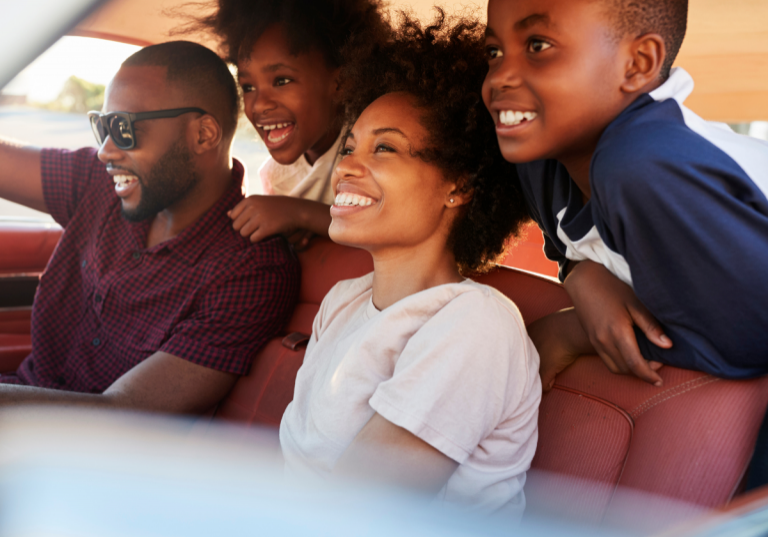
[
  {"x": 205, "y": 133},
  {"x": 457, "y": 196},
  {"x": 647, "y": 54}
]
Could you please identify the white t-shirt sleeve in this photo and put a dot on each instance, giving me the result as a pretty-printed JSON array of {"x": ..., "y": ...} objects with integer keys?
[{"x": 459, "y": 374}]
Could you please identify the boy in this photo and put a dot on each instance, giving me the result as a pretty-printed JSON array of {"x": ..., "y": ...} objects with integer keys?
[{"x": 642, "y": 202}]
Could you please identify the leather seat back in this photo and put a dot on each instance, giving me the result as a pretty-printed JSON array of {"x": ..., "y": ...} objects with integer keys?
[
  {"x": 261, "y": 396},
  {"x": 690, "y": 440}
]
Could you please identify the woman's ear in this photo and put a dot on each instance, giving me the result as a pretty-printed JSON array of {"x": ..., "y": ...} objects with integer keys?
[
  {"x": 647, "y": 54},
  {"x": 457, "y": 197},
  {"x": 205, "y": 132}
]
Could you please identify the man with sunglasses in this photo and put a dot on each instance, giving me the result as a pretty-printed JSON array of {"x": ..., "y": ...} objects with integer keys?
[{"x": 151, "y": 300}]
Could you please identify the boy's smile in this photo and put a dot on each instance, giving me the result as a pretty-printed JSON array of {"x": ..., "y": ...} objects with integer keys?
[{"x": 554, "y": 78}]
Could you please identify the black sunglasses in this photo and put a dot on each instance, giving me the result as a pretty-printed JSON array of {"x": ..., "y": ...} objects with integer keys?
[{"x": 119, "y": 125}]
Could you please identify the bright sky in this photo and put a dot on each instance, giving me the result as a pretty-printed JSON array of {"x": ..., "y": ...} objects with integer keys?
[{"x": 94, "y": 60}]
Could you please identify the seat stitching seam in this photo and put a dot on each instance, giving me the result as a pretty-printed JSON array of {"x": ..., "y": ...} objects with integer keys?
[
  {"x": 638, "y": 412},
  {"x": 663, "y": 394}
]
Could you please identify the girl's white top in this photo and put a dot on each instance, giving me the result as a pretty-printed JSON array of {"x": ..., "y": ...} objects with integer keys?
[{"x": 300, "y": 180}]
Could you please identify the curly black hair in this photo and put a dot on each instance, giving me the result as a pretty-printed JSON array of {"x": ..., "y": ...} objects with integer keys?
[
  {"x": 442, "y": 67},
  {"x": 325, "y": 25}
]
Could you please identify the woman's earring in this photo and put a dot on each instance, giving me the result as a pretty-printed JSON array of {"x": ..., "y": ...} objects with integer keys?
[{"x": 451, "y": 200}]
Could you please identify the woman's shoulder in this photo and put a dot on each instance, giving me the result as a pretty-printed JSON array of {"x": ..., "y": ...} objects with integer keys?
[
  {"x": 482, "y": 302},
  {"x": 461, "y": 310},
  {"x": 347, "y": 291},
  {"x": 352, "y": 287}
]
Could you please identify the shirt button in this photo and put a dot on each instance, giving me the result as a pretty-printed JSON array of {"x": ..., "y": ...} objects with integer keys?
[
  {"x": 61, "y": 381},
  {"x": 84, "y": 263},
  {"x": 98, "y": 298},
  {"x": 137, "y": 255},
  {"x": 96, "y": 342}
]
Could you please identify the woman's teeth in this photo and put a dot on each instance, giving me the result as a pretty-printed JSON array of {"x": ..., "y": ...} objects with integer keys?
[
  {"x": 512, "y": 117},
  {"x": 346, "y": 199},
  {"x": 124, "y": 180}
]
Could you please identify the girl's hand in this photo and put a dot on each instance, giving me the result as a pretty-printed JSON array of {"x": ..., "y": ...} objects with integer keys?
[
  {"x": 259, "y": 217},
  {"x": 608, "y": 310}
]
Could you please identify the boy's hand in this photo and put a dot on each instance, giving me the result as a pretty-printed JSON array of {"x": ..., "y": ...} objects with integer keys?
[
  {"x": 608, "y": 309},
  {"x": 560, "y": 340},
  {"x": 259, "y": 217}
]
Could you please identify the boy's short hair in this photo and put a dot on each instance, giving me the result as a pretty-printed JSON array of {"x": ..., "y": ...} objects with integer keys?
[
  {"x": 668, "y": 18},
  {"x": 200, "y": 72},
  {"x": 325, "y": 25}
]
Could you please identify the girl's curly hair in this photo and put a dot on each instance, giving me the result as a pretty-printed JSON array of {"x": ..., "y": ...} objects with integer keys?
[
  {"x": 326, "y": 25},
  {"x": 442, "y": 67}
]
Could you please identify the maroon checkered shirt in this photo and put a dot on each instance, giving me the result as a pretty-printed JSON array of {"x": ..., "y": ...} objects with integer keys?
[{"x": 106, "y": 302}]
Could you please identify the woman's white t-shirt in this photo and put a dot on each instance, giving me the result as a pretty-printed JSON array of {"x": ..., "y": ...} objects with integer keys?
[
  {"x": 300, "y": 180},
  {"x": 452, "y": 364}
]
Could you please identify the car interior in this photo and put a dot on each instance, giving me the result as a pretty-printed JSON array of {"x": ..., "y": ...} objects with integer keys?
[{"x": 599, "y": 433}]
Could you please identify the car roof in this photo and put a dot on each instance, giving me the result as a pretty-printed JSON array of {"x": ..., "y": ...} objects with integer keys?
[{"x": 725, "y": 49}]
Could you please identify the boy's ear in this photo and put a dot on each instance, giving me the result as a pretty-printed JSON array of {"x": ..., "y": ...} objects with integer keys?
[
  {"x": 205, "y": 132},
  {"x": 647, "y": 54}
]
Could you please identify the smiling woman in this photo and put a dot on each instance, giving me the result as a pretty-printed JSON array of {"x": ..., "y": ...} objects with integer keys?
[{"x": 414, "y": 374}]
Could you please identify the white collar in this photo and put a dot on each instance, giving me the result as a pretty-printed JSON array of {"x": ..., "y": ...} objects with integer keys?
[{"x": 678, "y": 86}]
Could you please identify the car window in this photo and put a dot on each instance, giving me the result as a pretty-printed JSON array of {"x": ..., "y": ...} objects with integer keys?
[{"x": 46, "y": 105}]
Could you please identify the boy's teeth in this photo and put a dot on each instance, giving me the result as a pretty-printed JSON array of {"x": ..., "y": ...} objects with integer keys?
[
  {"x": 348, "y": 199},
  {"x": 515, "y": 117}
]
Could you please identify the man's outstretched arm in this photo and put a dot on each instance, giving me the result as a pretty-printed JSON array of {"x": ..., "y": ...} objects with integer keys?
[
  {"x": 20, "y": 177},
  {"x": 161, "y": 383}
]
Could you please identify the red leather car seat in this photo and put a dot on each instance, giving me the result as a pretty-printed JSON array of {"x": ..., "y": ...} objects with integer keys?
[
  {"x": 25, "y": 249},
  {"x": 262, "y": 395},
  {"x": 690, "y": 440}
]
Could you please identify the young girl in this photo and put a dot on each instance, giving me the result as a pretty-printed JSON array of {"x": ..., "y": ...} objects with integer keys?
[
  {"x": 415, "y": 374},
  {"x": 288, "y": 55}
]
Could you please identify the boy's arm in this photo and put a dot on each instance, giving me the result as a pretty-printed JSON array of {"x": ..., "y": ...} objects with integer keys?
[
  {"x": 20, "y": 178},
  {"x": 560, "y": 340},
  {"x": 259, "y": 217},
  {"x": 694, "y": 232},
  {"x": 608, "y": 310}
]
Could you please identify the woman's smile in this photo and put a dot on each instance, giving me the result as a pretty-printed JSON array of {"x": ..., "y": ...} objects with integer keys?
[{"x": 380, "y": 162}]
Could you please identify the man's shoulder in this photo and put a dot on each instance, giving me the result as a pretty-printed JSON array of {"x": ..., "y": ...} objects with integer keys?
[{"x": 230, "y": 252}]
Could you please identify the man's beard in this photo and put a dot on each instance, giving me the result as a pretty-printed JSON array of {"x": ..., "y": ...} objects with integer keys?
[{"x": 168, "y": 182}]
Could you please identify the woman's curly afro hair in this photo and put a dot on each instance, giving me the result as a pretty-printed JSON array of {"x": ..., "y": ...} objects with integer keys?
[
  {"x": 324, "y": 25},
  {"x": 442, "y": 67}
]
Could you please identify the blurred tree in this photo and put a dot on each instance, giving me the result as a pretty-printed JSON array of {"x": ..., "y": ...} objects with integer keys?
[{"x": 78, "y": 96}]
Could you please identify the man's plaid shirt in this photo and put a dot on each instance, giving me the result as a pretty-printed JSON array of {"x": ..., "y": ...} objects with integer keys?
[{"x": 106, "y": 302}]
